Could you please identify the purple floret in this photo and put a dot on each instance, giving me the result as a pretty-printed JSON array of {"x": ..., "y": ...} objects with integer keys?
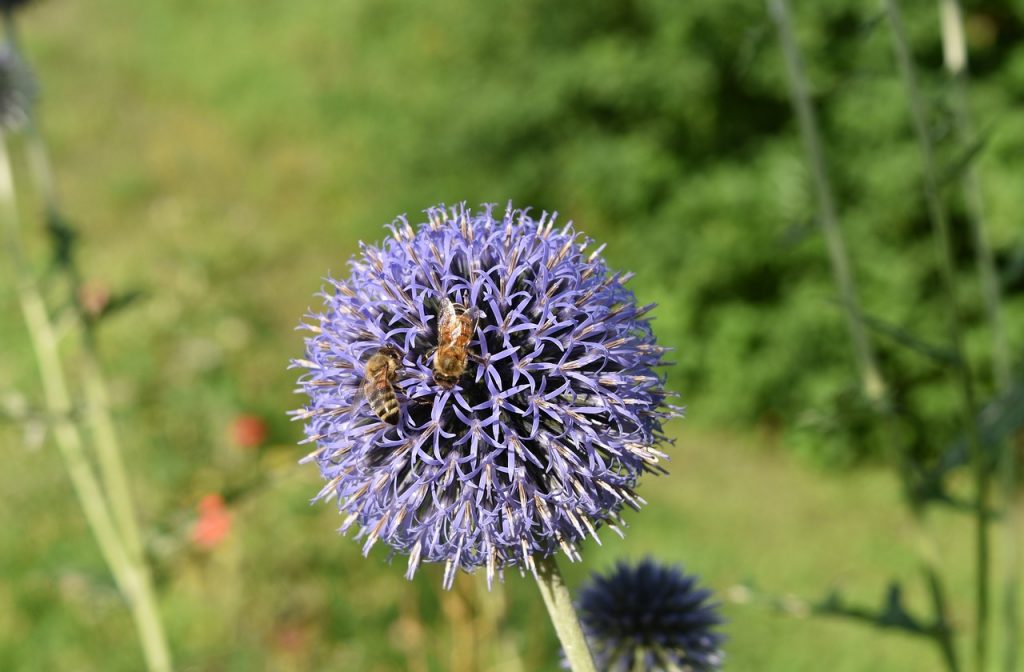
[{"x": 542, "y": 439}]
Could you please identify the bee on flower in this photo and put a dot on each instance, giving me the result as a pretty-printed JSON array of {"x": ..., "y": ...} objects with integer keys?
[{"x": 530, "y": 403}]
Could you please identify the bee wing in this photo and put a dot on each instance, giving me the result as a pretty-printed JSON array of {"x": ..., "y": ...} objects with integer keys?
[
  {"x": 361, "y": 394},
  {"x": 449, "y": 323},
  {"x": 365, "y": 392}
]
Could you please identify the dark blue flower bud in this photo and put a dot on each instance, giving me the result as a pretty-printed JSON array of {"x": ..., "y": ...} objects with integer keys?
[{"x": 650, "y": 617}]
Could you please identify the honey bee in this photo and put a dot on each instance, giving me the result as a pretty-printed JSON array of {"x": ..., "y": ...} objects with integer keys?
[
  {"x": 455, "y": 327},
  {"x": 378, "y": 384}
]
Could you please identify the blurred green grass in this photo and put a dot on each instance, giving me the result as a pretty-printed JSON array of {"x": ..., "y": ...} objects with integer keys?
[
  {"x": 222, "y": 157},
  {"x": 284, "y": 592}
]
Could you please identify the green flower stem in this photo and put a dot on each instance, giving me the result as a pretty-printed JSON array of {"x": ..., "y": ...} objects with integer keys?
[
  {"x": 130, "y": 575},
  {"x": 944, "y": 252},
  {"x": 954, "y": 45},
  {"x": 943, "y": 631},
  {"x": 872, "y": 383},
  {"x": 108, "y": 450},
  {"x": 104, "y": 433},
  {"x": 955, "y": 57},
  {"x": 107, "y": 444},
  {"x": 563, "y": 615},
  {"x": 1011, "y": 559},
  {"x": 55, "y": 388}
]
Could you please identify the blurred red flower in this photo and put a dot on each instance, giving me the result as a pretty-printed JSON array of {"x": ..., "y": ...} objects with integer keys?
[
  {"x": 214, "y": 522},
  {"x": 248, "y": 431}
]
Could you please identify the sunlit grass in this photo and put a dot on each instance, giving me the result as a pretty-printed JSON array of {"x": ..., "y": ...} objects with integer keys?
[
  {"x": 285, "y": 588},
  {"x": 221, "y": 168}
]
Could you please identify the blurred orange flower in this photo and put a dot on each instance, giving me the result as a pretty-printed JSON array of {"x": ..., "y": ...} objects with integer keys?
[
  {"x": 248, "y": 431},
  {"x": 214, "y": 522}
]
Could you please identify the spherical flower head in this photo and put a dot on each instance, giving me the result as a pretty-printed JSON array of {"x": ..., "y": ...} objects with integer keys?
[
  {"x": 482, "y": 390},
  {"x": 650, "y": 617},
  {"x": 17, "y": 90}
]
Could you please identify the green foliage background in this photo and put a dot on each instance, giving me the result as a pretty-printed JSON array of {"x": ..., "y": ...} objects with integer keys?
[{"x": 222, "y": 157}]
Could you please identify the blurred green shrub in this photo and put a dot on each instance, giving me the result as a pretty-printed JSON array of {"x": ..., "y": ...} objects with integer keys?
[{"x": 664, "y": 128}]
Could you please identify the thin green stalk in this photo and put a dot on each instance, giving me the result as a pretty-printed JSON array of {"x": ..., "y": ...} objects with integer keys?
[
  {"x": 872, "y": 383},
  {"x": 55, "y": 389},
  {"x": 108, "y": 450},
  {"x": 936, "y": 589},
  {"x": 954, "y": 45},
  {"x": 104, "y": 433},
  {"x": 107, "y": 443},
  {"x": 1011, "y": 559},
  {"x": 1011, "y": 586},
  {"x": 944, "y": 251},
  {"x": 130, "y": 576},
  {"x": 563, "y": 615},
  {"x": 955, "y": 57},
  {"x": 943, "y": 632}
]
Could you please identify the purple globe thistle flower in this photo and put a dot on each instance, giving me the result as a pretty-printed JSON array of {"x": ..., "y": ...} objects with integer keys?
[
  {"x": 527, "y": 443},
  {"x": 650, "y": 617}
]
